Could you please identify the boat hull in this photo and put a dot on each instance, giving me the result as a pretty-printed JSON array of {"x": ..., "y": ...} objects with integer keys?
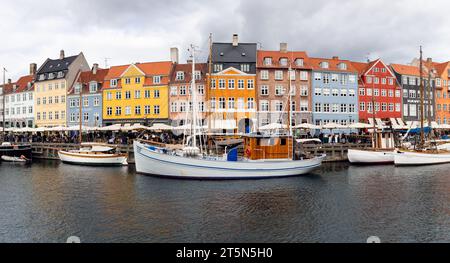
[
  {"x": 370, "y": 157},
  {"x": 16, "y": 151},
  {"x": 92, "y": 159},
  {"x": 415, "y": 158},
  {"x": 154, "y": 163}
]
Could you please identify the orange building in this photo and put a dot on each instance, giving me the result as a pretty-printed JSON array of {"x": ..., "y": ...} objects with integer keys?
[{"x": 441, "y": 71}]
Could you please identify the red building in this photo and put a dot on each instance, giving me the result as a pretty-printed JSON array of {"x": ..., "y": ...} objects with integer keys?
[{"x": 378, "y": 88}]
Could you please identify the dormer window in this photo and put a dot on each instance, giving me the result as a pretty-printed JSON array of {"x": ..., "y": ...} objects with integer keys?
[
  {"x": 198, "y": 75},
  {"x": 60, "y": 74},
  {"x": 324, "y": 64},
  {"x": 93, "y": 87},
  {"x": 218, "y": 67},
  {"x": 180, "y": 75},
  {"x": 342, "y": 66},
  {"x": 41, "y": 77},
  {"x": 51, "y": 75},
  {"x": 299, "y": 62},
  {"x": 283, "y": 61},
  {"x": 267, "y": 61},
  {"x": 245, "y": 67},
  {"x": 113, "y": 82},
  {"x": 157, "y": 79},
  {"x": 77, "y": 88}
]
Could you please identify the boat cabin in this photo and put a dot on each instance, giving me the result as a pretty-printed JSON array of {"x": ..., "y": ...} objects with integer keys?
[
  {"x": 259, "y": 147},
  {"x": 383, "y": 140}
]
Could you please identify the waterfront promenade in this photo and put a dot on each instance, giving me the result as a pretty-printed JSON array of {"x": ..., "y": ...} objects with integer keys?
[{"x": 336, "y": 152}]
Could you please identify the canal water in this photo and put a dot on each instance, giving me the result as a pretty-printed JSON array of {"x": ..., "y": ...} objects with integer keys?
[{"x": 50, "y": 201}]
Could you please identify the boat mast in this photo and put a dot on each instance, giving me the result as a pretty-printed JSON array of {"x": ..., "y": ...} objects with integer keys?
[
  {"x": 375, "y": 134},
  {"x": 421, "y": 144},
  {"x": 289, "y": 105},
  {"x": 4, "y": 101},
  {"x": 80, "y": 137},
  {"x": 194, "y": 100},
  {"x": 208, "y": 106}
]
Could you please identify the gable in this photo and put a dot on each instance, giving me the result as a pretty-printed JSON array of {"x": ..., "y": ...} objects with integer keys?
[
  {"x": 231, "y": 71},
  {"x": 132, "y": 71}
]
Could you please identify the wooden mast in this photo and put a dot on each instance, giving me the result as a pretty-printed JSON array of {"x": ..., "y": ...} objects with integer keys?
[
  {"x": 375, "y": 134},
  {"x": 208, "y": 83},
  {"x": 80, "y": 137},
  {"x": 4, "y": 101}
]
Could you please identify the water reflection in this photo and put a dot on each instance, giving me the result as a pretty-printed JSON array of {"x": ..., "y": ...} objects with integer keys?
[{"x": 49, "y": 201}]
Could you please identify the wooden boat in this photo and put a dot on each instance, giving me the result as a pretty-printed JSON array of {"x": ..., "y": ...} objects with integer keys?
[
  {"x": 94, "y": 155},
  {"x": 8, "y": 149},
  {"x": 416, "y": 158},
  {"x": 264, "y": 158},
  {"x": 371, "y": 156}
]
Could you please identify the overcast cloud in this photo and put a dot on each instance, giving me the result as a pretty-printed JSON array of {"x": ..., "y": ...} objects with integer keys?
[{"x": 143, "y": 30}]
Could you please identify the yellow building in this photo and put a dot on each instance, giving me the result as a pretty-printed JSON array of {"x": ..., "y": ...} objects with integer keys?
[
  {"x": 137, "y": 93},
  {"x": 53, "y": 79}
]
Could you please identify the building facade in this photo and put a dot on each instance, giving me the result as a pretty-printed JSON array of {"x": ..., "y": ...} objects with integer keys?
[
  {"x": 442, "y": 92},
  {"x": 334, "y": 91},
  {"x": 137, "y": 93},
  {"x": 89, "y": 84},
  {"x": 180, "y": 92},
  {"x": 279, "y": 72},
  {"x": 232, "y": 92},
  {"x": 409, "y": 78},
  {"x": 377, "y": 90},
  {"x": 53, "y": 80}
]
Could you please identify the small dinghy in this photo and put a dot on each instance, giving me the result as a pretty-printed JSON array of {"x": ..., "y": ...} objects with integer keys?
[{"x": 13, "y": 159}]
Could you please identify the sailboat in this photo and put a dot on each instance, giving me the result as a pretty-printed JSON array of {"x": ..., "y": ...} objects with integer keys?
[
  {"x": 382, "y": 151},
  {"x": 265, "y": 156},
  {"x": 92, "y": 154},
  {"x": 422, "y": 155}
]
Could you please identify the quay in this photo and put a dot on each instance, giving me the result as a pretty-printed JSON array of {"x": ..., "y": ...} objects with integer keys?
[{"x": 336, "y": 152}]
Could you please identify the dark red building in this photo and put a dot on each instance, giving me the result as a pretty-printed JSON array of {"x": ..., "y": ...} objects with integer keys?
[{"x": 378, "y": 88}]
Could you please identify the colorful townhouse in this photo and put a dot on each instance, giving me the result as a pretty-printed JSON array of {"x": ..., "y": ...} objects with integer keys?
[
  {"x": 409, "y": 78},
  {"x": 278, "y": 73},
  {"x": 19, "y": 101},
  {"x": 53, "y": 79},
  {"x": 5, "y": 89},
  {"x": 334, "y": 91},
  {"x": 377, "y": 89},
  {"x": 232, "y": 92},
  {"x": 87, "y": 88},
  {"x": 442, "y": 97},
  {"x": 180, "y": 92},
  {"x": 137, "y": 93}
]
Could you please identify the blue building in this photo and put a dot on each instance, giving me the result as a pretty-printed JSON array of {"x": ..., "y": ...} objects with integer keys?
[
  {"x": 89, "y": 83},
  {"x": 334, "y": 88}
]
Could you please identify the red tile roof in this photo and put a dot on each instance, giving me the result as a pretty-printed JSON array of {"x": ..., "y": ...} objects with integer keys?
[
  {"x": 277, "y": 55},
  {"x": 25, "y": 83},
  {"x": 88, "y": 76},
  {"x": 332, "y": 64},
  {"x": 406, "y": 69},
  {"x": 187, "y": 69}
]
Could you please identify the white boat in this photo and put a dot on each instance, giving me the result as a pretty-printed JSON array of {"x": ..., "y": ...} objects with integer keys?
[
  {"x": 153, "y": 160},
  {"x": 95, "y": 155},
  {"x": 405, "y": 158},
  {"x": 372, "y": 156},
  {"x": 14, "y": 159}
]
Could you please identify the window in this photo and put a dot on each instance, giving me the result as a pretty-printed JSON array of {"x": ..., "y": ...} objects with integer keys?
[
  {"x": 127, "y": 95},
  {"x": 318, "y": 107},
  {"x": 264, "y": 105},
  {"x": 342, "y": 66},
  {"x": 182, "y": 90},
  {"x": 369, "y": 92},
  {"x": 317, "y": 91},
  {"x": 351, "y": 108},
  {"x": 344, "y": 79},
  {"x": 279, "y": 90},
  {"x": 384, "y": 106},
  {"x": 245, "y": 67},
  {"x": 377, "y": 106},
  {"x": 231, "y": 104},
  {"x": 156, "y": 94},
  {"x": 93, "y": 87},
  {"x": 56, "y": 100},
  {"x": 157, "y": 79},
  {"x": 412, "y": 110},
  {"x": 352, "y": 79},
  {"x": 213, "y": 84},
  {"x": 38, "y": 101},
  {"x": 264, "y": 74},
  {"x": 335, "y": 92},
  {"x": 109, "y": 111},
  {"x": 180, "y": 75},
  {"x": 324, "y": 64},
  {"x": 108, "y": 95},
  {"x": 304, "y": 105},
  {"x": 156, "y": 110},
  {"x": 85, "y": 102},
  {"x": 218, "y": 67},
  {"x": 292, "y": 75},
  {"x": 391, "y": 107},
  {"x": 397, "y": 93},
  {"x": 343, "y": 108},
  {"x": 303, "y": 90},
  {"x": 412, "y": 81},
  {"x": 412, "y": 94},
  {"x": 376, "y": 80},
  {"x": 278, "y": 75},
  {"x": 198, "y": 75},
  {"x": 335, "y": 108},
  {"x": 137, "y": 94},
  {"x": 137, "y": 80},
  {"x": 137, "y": 110},
  {"x": 118, "y": 95},
  {"x": 250, "y": 103},
  {"x": 127, "y": 81},
  {"x": 147, "y": 108},
  {"x": 96, "y": 101},
  {"x": 221, "y": 84},
  {"x": 267, "y": 61},
  {"x": 343, "y": 93},
  {"x": 326, "y": 107},
  {"x": 183, "y": 106},
  {"x": 264, "y": 90},
  {"x": 303, "y": 75},
  {"x": 213, "y": 103},
  {"x": 118, "y": 111},
  {"x": 278, "y": 106},
  {"x": 334, "y": 77},
  {"x": 362, "y": 91},
  {"x": 326, "y": 78},
  {"x": 351, "y": 93},
  {"x": 127, "y": 110},
  {"x": 173, "y": 92},
  {"x": 241, "y": 84},
  {"x": 50, "y": 100},
  {"x": 222, "y": 103},
  {"x": 383, "y": 81},
  {"x": 326, "y": 92},
  {"x": 383, "y": 93},
  {"x": 283, "y": 61},
  {"x": 250, "y": 84},
  {"x": 231, "y": 84},
  {"x": 368, "y": 80},
  {"x": 86, "y": 116},
  {"x": 200, "y": 90},
  {"x": 391, "y": 93},
  {"x": 317, "y": 76},
  {"x": 391, "y": 81}
]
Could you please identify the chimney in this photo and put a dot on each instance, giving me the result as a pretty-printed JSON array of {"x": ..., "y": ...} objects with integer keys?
[
  {"x": 174, "y": 55},
  {"x": 189, "y": 61},
  {"x": 283, "y": 47},
  {"x": 429, "y": 60},
  {"x": 235, "y": 40},
  {"x": 33, "y": 68},
  {"x": 9, "y": 81},
  {"x": 94, "y": 68},
  {"x": 335, "y": 58},
  {"x": 61, "y": 54}
]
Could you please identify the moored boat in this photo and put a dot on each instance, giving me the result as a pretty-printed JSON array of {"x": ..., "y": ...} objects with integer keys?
[
  {"x": 371, "y": 156},
  {"x": 15, "y": 150},
  {"x": 13, "y": 159},
  {"x": 416, "y": 158},
  {"x": 94, "y": 155}
]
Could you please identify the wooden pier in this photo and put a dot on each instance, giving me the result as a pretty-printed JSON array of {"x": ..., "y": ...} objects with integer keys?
[{"x": 335, "y": 152}]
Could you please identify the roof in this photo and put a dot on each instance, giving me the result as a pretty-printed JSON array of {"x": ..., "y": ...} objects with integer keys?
[
  {"x": 226, "y": 52},
  {"x": 7, "y": 88},
  {"x": 406, "y": 69},
  {"x": 56, "y": 65},
  {"x": 332, "y": 64},
  {"x": 114, "y": 72},
  {"x": 441, "y": 68},
  {"x": 86, "y": 77},
  {"x": 187, "y": 69},
  {"x": 25, "y": 83},
  {"x": 277, "y": 55},
  {"x": 155, "y": 68}
]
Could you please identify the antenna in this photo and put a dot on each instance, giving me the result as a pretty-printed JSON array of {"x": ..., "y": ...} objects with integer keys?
[{"x": 106, "y": 62}]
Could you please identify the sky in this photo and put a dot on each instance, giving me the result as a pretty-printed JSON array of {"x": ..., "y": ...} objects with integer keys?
[{"x": 145, "y": 30}]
